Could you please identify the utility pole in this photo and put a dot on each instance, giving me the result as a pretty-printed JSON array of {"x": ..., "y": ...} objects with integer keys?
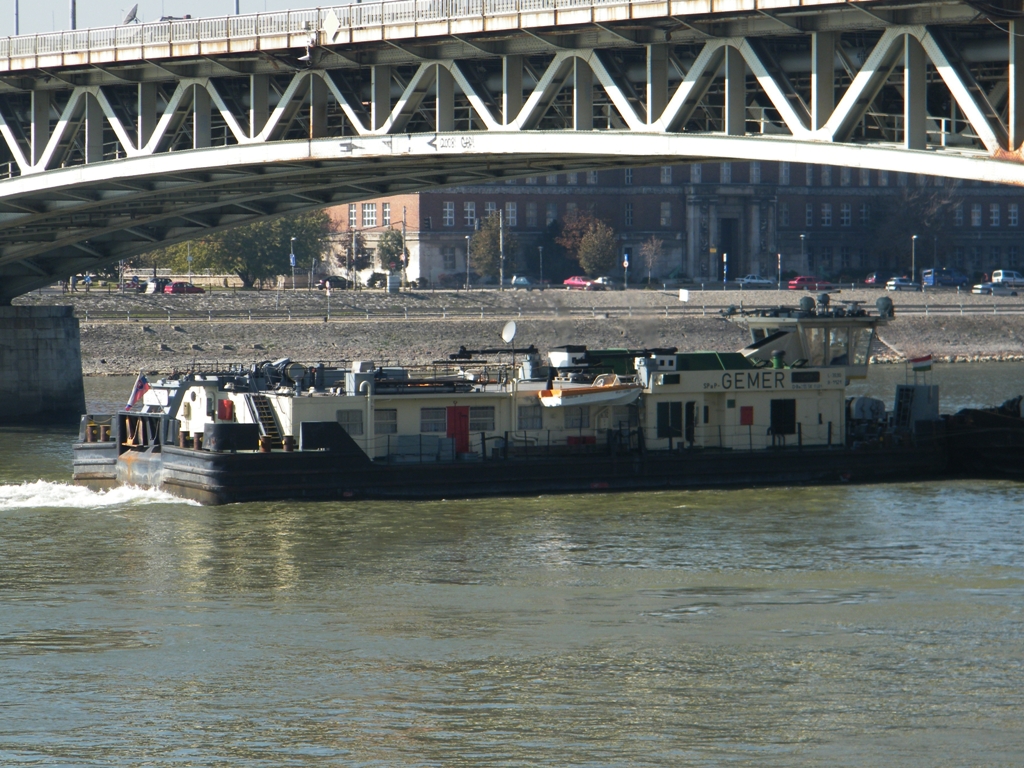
[
  {"x": 291, "y": 260},
  {"x": 405, "y": 250},
  {"x": 74, "y": 15},
  {"x": 540, "y": 250},
  {"x": 16, "y": 26},
  {"x": 501, "y": 250}
]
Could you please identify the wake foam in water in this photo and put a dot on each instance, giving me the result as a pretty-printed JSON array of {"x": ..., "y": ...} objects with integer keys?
[{"x": 62, "y": 495}]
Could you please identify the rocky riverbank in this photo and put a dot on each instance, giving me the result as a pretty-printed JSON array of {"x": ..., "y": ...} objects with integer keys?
[{"x": 125, "y": 334}]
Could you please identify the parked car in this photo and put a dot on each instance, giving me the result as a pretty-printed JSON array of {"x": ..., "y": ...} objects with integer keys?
[
  {"x": 755, "y": 281},
  {"x": 902, "y": 284},
  {"x": 522, "y": 281},
  {"x": 604, "y": 280},
  {"x": 337, "y": 283},
  {"x": 182, "y": 287},
  {"x": 942, "y": 276},
  {"x": 809, "y": 283},
  {"x": 581, "y": 283},
  {"x": 157, "y": 284},
  {"x": 994, "y": 289},
  {"x": 877, "y": 278},
  {"x": 1008, "y": 277}
]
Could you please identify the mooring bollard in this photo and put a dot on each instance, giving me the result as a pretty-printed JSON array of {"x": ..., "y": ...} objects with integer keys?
[{"x": 406, "y": 312}]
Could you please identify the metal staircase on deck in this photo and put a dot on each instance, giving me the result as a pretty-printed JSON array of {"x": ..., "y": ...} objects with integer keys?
[{"x": 265, "y": 416}]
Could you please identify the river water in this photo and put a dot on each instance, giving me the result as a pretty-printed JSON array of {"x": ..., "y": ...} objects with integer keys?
[{"x": 840, "y": 626}]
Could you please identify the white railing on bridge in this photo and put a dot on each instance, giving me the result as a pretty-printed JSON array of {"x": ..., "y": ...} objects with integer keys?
[{"x": 181, "y": 32}]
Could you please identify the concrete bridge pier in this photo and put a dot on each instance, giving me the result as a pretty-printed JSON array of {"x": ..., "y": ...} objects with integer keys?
[{"x": 40, "y": 366}]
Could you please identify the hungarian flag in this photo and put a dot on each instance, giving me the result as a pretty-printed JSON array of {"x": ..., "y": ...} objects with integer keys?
[
  {"x": 921, "y": 363},
  {"x": 140, "y": 388}
]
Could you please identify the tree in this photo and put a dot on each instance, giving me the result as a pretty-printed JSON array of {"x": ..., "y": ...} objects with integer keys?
[
  {"x": 485, "y": 247},
  {"x": 353, "y": 250},
  {"x": 574, "y": 226},
  {"x": 391, "y": 249},
  {"x": 255, "y": 252},
  {"x": 923, "y": 211},
  {"x": 599, "y": 249},
  {"x": 651, "y": 252}
]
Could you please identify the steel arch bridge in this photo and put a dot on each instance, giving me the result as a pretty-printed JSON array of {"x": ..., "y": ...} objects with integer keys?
[{"x": 119, "y": 140}]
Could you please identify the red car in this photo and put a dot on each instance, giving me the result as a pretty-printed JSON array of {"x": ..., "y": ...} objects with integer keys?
[
  {"x": 809, "y": 283},
  {"x": 180, "y": 287},
  {"x": 581, "y": 283}
]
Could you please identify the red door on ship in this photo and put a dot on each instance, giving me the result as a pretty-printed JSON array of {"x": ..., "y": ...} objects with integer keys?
[{"x": 458, "y": 427}]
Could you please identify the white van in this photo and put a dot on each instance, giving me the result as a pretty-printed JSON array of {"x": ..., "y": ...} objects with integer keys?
[{"x": 1008, "y": 277}]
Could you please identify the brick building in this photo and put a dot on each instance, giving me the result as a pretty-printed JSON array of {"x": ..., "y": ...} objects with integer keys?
[{"x": 750, "y": 213}]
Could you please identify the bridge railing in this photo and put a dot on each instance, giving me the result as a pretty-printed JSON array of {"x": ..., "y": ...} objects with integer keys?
[{"x": 312, "y": 20}]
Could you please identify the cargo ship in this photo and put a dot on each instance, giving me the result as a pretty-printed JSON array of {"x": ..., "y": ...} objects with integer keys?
[{"x": 504, "y": 421}]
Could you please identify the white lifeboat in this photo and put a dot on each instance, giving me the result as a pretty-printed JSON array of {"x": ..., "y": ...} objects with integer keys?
[{"x": 607, "y": 389}]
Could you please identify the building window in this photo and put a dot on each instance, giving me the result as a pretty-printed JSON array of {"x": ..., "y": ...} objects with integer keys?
[
  {"x": 901, "y": 178},
  {"x": 385, "y": 421},
  {"x": 865, "y": 177},
  {"x": 628, "y": 215},
  {"x": 510, "y": 181},
  {"x": 531, "y": 416},
  {"x": 883, "y": 178},
  {"x": 666, "y": 174},
  {"x": 448, "y": 257},
  {"x": 976, "y": 215},
  {"x": 551, "y": 212},
  {"x": 591, "y": 177},
  {"x": 481, "y": 418},
  {"x": 448, "y": 214},
  {"x": 826, "y": 257},
  {"x": 846, "y": 214},
  {"x": 958, "y": 216},
  {"x": 725, "y": 173},
  {"x": 784, "y": 174},
  {"x": 351, "y": 421},
  {"x": 490, "y": 209},
  {"x": 845, "y": 177},
  {"x": 666, "y": 214},
  {"x": 844, "y": 257},
  {"x": 994, "y": 253},
  {"x": 958, "y": 257},
  {"x": 551, "y": 178},
  {"x": 865, "y": 214},
  {"x": 696, "y": 173},
  {"x": 1011, "y": 215},
  {"x": 433, "y": 420},
  {"x": 976, "y": 256},
  {"x": 993, "y": 214},
  {"x": 531, "y": 179},
  {"x": 353, "y": 216},
  {"x": 809, "y": 215},
  {"x": 511, "y": 219},
  {"x": 783, "y": 214},
  {"x": 826, "y": 175},
  {"x": 427, "y": 223},
  {"x": 569, "y": 208},
  {"x": 369, "y": 214},
  {"x": 1011, "y": 256},
  {"x": 627, "y": 176},
  {"x": 469, "y": 214},
  {"x": 826, "y": 214},
  {"x": 755, "y": 172},
  {"x": 808, "y": 175},
  {"x": 385, "y": 214},
  {"x": 531, "y": 214},
  {"x": 572, "y": 178},
  {"x": 577, "y": 416},
  {"x": 921, "y": 179}
]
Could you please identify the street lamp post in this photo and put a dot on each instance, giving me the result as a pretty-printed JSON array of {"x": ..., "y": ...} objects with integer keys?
[
  {"x": 913, "y": 259},
  {"x": 803, "y": 251},
  {"x": 467, "y": 262},
  {"x": 540, "y": 250},
  {"x": 779, "y": 257},
  {"x": 291, "y": 260}
]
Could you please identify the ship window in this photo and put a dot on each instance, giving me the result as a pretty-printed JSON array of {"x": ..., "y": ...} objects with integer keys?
[
  {"x": 861, "y": 345},
  {"x": 577, "y": 416},
  {"x": 670, "y": 378},
  {"x": 530, "y": 417},
  {"x": 433, "y": 420},
  {"x": 385, "y": 421},
  {"x": 670, "y": 420},
  {"x": 481, "y": 418},
  {"x": 838, "y": 346},
  {"x": 707, "y": 413},
  {"x": 351, "y": 421},
  {"x": 814, "y": 339},
  {"x": 625, "y": 417},
  {"x": 730, "y": 403}
]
